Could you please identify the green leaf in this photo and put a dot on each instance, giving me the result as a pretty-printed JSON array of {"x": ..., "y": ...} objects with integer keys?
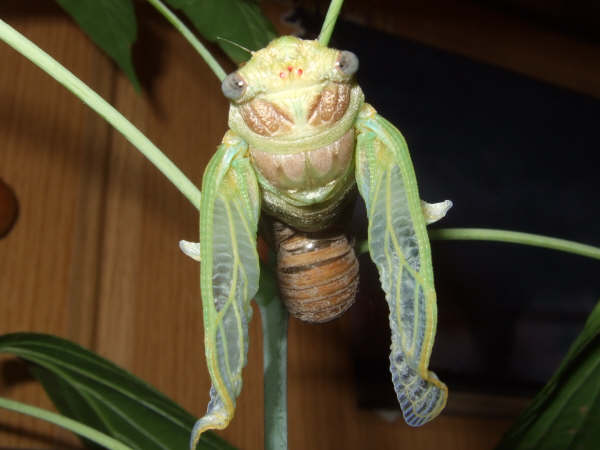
[
  {"x": 566, "y": 412},
  {"x": 240, "y": 21},
  {"x": 96, "y": 392},
  {"x": 111, "y": 24}
]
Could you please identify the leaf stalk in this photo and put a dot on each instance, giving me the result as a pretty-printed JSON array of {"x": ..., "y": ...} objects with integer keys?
[
  {"x": 64, "y": 422},
  {"x": 506, "y": 236},
  {"x": 515, "y": 237},
  {"x": 190, "y": 37},
  {"x": 274, "y": 319},
  {"x": 57, "y": 71},
  {"x": 329, "y": 23}
]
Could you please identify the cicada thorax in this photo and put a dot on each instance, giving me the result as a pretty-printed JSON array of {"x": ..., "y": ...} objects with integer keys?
[{"x": 317, "y": 272}]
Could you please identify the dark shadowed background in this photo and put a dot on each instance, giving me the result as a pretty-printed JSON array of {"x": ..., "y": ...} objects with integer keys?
[{"x": 511, "y": 152}]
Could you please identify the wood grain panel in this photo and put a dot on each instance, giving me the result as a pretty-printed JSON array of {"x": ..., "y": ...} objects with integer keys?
[
  {"x": 52, "y": 154},
  {"x": 94, "y": 254}
]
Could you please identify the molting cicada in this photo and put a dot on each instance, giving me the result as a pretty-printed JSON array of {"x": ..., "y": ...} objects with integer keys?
[{"x": 301, "y": 142}]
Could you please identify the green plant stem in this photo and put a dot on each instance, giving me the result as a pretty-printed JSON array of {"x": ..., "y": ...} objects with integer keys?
[
  {"x": 191, "y": 38},
  {"x": 513, "y": 237},
  {"x": 274, "y": 318},
  {"x": 329, "y": 23},
  {"x": 64, "y": 422},
  {"x": 53, "y": 68}
]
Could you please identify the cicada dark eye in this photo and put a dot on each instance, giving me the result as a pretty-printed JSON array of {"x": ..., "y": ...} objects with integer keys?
[
  {"x": 347, "y": 63},
  {"x": 233, "y": 86}
]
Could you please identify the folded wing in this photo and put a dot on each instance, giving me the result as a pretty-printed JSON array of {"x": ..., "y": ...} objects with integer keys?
[
  {"x": 399, "y": 246},
  {"x": 229, "y": 275}
]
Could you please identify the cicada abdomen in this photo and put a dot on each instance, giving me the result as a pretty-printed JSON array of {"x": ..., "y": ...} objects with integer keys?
[{"x": 317, "y": 272}]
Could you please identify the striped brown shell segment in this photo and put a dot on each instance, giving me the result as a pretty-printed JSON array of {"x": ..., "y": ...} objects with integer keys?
[
  {"x": 317, "y": 273},
  {"x": 330, "y": 105},
  {"x": 265, "y": 118}
]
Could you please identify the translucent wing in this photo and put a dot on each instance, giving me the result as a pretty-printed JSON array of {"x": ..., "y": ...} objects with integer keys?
[
  {"x": 229, "y": 274},
  {"x": 399, "y": 246}
]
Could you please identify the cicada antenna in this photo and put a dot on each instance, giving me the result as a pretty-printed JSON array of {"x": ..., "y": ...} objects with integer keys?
[{"x": 219, "y": 38}]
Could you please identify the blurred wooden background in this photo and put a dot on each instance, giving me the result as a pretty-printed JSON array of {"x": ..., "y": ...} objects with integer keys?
[{"x": 94, "y": 255}]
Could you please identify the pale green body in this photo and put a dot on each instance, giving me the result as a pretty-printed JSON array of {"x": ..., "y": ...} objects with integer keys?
[{"x": 300, "y": 141}]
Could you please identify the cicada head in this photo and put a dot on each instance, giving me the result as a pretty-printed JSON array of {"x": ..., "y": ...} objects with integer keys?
[{"x": 293, "y": 89}]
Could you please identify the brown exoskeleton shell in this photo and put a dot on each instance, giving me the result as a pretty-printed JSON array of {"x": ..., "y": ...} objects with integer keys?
[{"x": 317, "y": 272}]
